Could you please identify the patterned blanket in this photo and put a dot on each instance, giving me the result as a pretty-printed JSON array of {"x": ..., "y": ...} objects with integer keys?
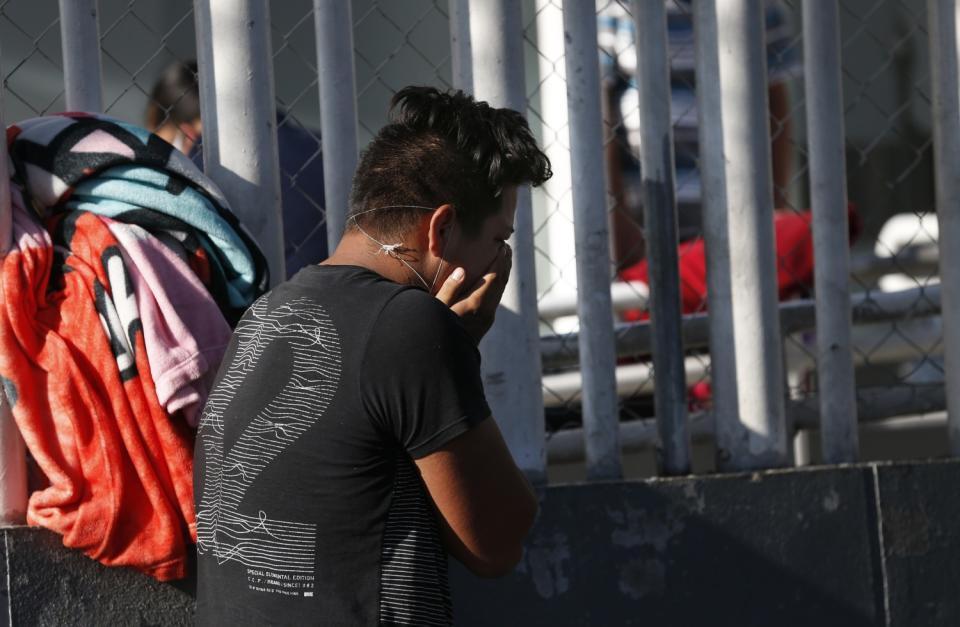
[
  {"x": 109, "y": 326},
  {"x": 93, "y": 163}
]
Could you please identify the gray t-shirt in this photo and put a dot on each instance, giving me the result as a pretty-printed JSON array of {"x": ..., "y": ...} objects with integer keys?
[{"x": 310, "y": 509}]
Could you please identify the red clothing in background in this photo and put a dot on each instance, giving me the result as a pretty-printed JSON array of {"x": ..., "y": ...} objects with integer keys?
[{"x": 794, "y": 247}]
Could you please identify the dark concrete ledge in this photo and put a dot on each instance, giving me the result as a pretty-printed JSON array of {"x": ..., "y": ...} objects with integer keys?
[
  {"x": 920, "y": 509},
  {"x": 51, "y": 585},
  {"x": 867, "y": 544}
]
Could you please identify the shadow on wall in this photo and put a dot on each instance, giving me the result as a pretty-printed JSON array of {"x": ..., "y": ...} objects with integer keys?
[
  {"x": 786, "y": 548},
  {"x": 779, "y": 548}
]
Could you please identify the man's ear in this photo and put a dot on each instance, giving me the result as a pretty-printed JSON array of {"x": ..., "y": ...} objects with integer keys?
[{"x": 441, "y": 226}]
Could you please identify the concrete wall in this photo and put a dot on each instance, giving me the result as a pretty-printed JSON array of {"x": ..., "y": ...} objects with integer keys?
[{"x": 870, "y": 544}]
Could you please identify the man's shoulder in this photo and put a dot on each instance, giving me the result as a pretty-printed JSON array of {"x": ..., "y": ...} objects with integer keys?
[
  {"x": 351, "y": 291},
  {"x": 412, "y": 322},
  {"x": 359, "y": 289},
  {"x": 327, "y": 277},
  {"x": 418, "y": 310}
]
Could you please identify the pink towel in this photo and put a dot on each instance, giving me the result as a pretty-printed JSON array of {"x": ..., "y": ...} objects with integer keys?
[{"x": 184, "y": 332}]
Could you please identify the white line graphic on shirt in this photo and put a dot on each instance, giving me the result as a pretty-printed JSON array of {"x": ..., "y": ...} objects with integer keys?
[{"x": 278, "y": 550}]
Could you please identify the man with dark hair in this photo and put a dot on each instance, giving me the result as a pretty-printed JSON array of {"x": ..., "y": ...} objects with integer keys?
[
  {"x": 173, "y": 113},
  {"x": 347, "y": 447}
]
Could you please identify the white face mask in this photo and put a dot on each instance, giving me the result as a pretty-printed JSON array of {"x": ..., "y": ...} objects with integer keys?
[{"x": 391, "y": 249}]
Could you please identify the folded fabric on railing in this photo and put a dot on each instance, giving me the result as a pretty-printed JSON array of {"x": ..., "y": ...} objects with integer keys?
[
  {"x": 78, "y": 161},
  {"x": 184, "y": 332},
  {"x": 123, "y": 265},
  {"x": 75, "y": 368}
]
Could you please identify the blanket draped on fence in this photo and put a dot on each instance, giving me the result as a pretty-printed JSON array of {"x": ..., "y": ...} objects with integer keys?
[{"x": 124, "y": 267}]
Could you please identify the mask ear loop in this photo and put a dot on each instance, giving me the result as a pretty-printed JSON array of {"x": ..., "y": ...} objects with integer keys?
[{"x": 392, "y": 249}]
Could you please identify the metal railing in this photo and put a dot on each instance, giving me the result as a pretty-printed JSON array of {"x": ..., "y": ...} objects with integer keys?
[
  {"x": 835, "y": 374},
  {"x": 946, "y": 132},
  {"x": 596, "y": 341},
  {"x": 660, "y": 215},
  {"x": 238, "y": 107},
  {"x": 759, "y": 357},
  {"x": 338, "y": 109},
  {"x": 13, "y": 465},
  {"x": 511, "y": 373}
]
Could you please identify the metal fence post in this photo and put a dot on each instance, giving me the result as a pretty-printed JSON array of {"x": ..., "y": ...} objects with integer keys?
[
  {"x": 511, "y": 350},
  {"x": 556, "y": 235},
  {"x": 13, "y": 468},
  {"x": 338, "y": 110},
  {"x": 723, "y": 361},
  {"x": 828, "y": 190},
  {"x": 13, "y": 465},
  {"x": 758, "y": 439},
  {"x": 944, "y": 49},
  {"x": 460, "y": 53},
  {"x": 80, "y": 34},
  {"x": 601, "y": 412},
  {"x": 660, "y": 217},
  {"x": 238, "y": 109}
]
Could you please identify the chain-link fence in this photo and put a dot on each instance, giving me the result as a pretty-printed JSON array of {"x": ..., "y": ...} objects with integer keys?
[
  {"x": 887, "y": 113},
  {"x": 892, "y": 233},
  {"x": 890, "y": 186},
  {"x": 142, "y": 39},
  {"x": 889, "y": 170}
]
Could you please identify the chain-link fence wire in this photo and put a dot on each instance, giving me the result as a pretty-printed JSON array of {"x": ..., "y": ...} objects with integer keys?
[
  {"x": 620, "y": 101},
  {"x": 293, "y": 37},
  {"x": 886, "y": 95},
  {"x": 893, "y": 233},
  {"x": 139, "y": 39},
  {"x": 32, "y": 59},
  {"x": 397, "y": 44},
  {"x": 617, "y": 55},
  {"x": 887, "y": 113}
]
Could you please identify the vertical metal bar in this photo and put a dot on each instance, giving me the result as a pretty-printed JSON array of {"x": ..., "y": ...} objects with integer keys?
[
  {"x": 601, "y": 422},
  {"x": 556, "y": 236},
  {"x": 828, "y": 190},
  {"x": 944, "y": 48},
  {"x": 13, "y": 468},
  {"x": 238, "y": 109},
  {"x": 723, "y": 373},
  {"x": 759, "y": 438},
  {"x": 802, "y": 448},
  {"x": 13, "y": 464},
  {"x": 6, "y": 211},
  {"x": 80, "y": 34},
  {"x": 460, "y": 53},
  {"x": 511, "y": 355},
  {"x": 660, "y": 216},
  {"x": 336, "y": 79}
]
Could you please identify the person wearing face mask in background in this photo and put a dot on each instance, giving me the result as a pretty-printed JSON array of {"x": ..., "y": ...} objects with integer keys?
[{"x": 173, "y": 113}]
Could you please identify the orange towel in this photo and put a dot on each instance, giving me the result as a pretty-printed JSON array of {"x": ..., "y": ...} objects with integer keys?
[{"x": 73, "y": 363}]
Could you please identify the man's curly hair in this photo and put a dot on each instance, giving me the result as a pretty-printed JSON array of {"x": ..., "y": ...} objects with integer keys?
[{"x": 443, "y": 147}]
